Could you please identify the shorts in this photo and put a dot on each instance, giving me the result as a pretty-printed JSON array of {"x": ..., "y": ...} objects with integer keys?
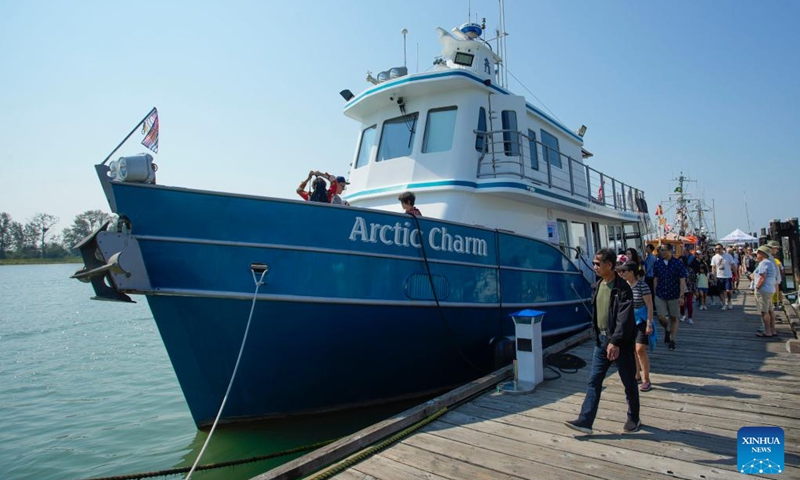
[
  {"x": 764, "y": 301},
  {"x": 641, "y": 334},
  {"x": 703, "y": 290},
  {"x": 723, "y": 284},
  {"x": 670, "y": 307}
]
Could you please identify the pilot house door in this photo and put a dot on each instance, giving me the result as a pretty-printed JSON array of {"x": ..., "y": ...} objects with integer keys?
[{"x": 506, "y": 145}]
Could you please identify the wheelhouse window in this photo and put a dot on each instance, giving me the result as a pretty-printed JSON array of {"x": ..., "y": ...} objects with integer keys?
[
  {"x": 510, "y": 133},
  {"x": 397, "y": 138},
  {"x": 480, "y": 138},
  {"x": 534, "y": 153},
  {"x": 439, "y": 129},
  {"x": 552, "y": 154},
  {"x": 364, "y": 149}
]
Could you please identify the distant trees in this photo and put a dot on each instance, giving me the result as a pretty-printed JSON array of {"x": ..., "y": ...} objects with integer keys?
[
  {"x": 84, "y": 224},
  {"x": 37, "y": 238}
]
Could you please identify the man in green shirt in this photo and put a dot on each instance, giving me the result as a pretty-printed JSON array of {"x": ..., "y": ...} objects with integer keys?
[{"x": 615, "y": 341}]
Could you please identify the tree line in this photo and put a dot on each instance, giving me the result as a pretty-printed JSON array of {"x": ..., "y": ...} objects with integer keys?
[{"x": 38, "y": 239}]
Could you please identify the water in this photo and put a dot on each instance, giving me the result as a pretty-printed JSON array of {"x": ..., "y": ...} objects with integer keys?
[{"x": 87, "y": 390}]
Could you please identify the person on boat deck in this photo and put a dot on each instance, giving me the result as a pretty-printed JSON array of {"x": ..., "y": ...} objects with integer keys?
[
  {"x": 338, "y": 187},
  {"x": 407, "y": 200},
  {"x": 615, "y": 331},
  {"x": 319, "y": 193}
]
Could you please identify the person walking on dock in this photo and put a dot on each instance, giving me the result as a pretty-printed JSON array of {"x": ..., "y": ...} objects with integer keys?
[
  {"x": 615, "y": 336},
  {"x": 670, "y": 284},
  {"x": 721, "y": 264},
  {"x": 643, "y": 313},
  {"x": 764, "y": 288}
]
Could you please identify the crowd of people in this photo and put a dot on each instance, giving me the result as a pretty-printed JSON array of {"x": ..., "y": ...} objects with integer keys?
[{"x": 633, "y": 290}]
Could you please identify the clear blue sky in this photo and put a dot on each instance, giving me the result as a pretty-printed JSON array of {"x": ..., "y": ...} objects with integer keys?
[{"x": 248, "y": 91}]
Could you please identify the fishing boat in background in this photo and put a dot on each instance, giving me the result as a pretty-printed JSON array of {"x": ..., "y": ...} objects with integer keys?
[{"x": 383, "y": 306}]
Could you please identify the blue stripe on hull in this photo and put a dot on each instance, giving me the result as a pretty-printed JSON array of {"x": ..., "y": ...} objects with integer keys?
[{"x": 302, "y": 358}]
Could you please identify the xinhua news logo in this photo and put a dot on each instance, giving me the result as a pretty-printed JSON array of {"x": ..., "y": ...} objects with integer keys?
[{"x": 760, "y": 450}]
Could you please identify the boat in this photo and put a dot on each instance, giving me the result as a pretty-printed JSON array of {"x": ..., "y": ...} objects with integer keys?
[{"x": 382, "y": 306}]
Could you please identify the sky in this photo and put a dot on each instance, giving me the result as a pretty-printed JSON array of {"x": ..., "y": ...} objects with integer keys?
[{"x": 247, "y": 91}]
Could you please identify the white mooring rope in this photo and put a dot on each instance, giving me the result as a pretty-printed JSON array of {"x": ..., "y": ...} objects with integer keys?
[{"x": 253, "y": 267}]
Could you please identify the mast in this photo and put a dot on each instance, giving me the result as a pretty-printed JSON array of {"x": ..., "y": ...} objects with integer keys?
[{"x": 681, "y": 223}]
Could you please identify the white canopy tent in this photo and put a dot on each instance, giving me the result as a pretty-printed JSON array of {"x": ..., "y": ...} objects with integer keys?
[{"x": 737, "y": 236}]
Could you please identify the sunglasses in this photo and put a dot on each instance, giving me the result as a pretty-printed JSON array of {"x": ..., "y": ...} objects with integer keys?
[{"x": 597, "y": 264}]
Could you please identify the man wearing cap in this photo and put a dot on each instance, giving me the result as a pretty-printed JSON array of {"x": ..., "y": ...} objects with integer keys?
[
  {"x": 764, "y": 287},
  {"x": 615, "y": 341},
  {"x": 337, "y": 186}
]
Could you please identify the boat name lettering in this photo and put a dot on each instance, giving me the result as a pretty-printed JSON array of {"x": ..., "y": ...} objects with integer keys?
[{"x": 403, "y": 235}]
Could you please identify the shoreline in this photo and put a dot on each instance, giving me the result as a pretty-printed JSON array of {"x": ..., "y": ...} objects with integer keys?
[{"x": 39, "y": 261}]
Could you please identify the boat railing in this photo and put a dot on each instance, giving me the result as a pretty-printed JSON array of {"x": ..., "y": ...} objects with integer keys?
[{"x": 513, "y": 153}]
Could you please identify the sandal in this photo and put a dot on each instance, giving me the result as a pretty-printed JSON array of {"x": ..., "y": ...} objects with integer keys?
[
  {"x": 761, "y": 334},
  {"x": 645, "y": 387}
]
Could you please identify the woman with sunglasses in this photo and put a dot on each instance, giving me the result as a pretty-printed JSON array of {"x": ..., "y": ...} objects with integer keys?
[{"x": 643, "y": 311}]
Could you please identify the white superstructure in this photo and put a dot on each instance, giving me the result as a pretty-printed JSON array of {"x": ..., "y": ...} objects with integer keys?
[{"x": 475, "y": 153}]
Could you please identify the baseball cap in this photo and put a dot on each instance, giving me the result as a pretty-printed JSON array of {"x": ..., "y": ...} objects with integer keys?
[{"x": 341, "y": 179}]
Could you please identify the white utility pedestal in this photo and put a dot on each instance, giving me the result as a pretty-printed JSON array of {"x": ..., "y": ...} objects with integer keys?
[{"x": 529, "y": 370}]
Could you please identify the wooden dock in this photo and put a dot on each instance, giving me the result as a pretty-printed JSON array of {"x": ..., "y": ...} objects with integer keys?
[{"x": 721, "y": 378}]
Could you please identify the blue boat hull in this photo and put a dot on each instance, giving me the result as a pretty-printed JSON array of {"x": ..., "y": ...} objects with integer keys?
[{"x": 358, "y": 307}]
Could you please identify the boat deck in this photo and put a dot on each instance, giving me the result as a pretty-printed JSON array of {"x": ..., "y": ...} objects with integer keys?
[{"x": 721, "y": 378}]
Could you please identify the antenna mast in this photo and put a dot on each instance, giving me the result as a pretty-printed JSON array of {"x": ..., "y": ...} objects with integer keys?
[
  {"x": 404, "y": 32},
  {"x": 747, "y": 212},
  {"x": 502, "y": 42}
]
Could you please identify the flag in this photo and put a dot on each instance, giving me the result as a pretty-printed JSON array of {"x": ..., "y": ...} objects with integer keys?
[
  {"x": 659, "y": 211},
  {"x": 678, "y": 190},
  {"x": 150, "y": 131},
  {"x": 600, "y": 193}
]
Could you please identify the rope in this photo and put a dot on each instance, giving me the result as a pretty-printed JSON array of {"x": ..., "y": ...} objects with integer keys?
[
  {"x": 258, "y": 283},
  {"x": 583, "y": 302},
  {"x": 376, "y": 448},
  {"x": 211, "y": 466}
]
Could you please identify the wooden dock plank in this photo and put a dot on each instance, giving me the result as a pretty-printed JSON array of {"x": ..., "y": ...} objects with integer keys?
[
  {"x": 624, "y": 464},
  {"x": 551, "y": 459},
  {"x": 388, "y": 469}
]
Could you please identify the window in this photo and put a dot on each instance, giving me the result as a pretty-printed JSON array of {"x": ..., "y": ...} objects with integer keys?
[
  {"x": 480, "y": 138},
  {"x": 563, "y": 233},
  {"x": 510, "y": 133},
  {"x": 367, "y": 140},
  {"x": 578, "y": 235},
  {"x": 552, "y": 154},
  {"x": 439, "y": 128},
  {"x": 534, "y": 153},
  {"x": 397, "y": 138}
]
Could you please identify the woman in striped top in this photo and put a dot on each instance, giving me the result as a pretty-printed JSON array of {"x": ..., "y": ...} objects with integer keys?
[{"x": 643, "y": 310}]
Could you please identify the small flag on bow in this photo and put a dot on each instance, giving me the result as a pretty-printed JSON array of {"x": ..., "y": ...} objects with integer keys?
[
  {"x": 150, "y": 131},
  {"x": 659, "y": 211}
]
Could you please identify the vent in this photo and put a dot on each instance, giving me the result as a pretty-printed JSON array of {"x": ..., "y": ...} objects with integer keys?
[{"x": 418, "y": 287}]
